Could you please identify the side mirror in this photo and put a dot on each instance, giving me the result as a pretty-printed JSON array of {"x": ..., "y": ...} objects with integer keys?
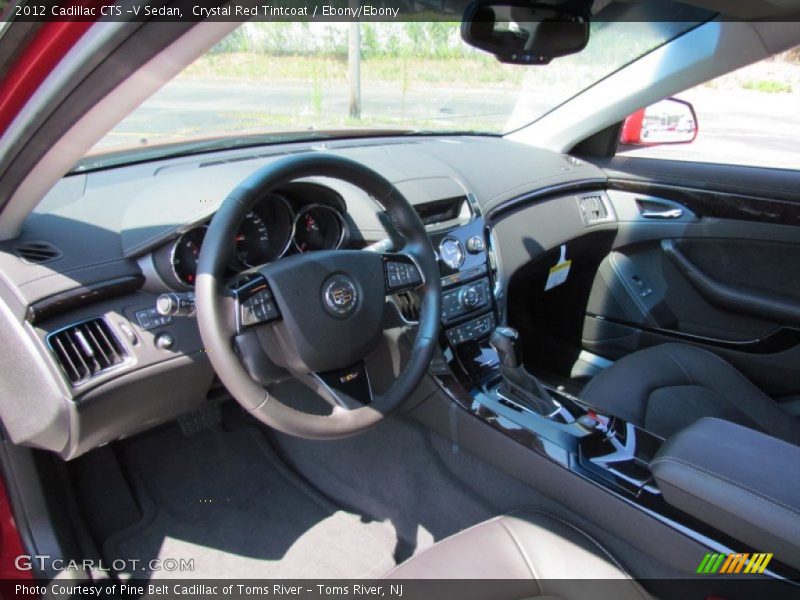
[
  {"x": 521, "y": 32},
  {"x": 670, "y": 121}
]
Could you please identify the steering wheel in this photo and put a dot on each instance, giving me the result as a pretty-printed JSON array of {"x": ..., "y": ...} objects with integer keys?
[{"x": 315, "y": 315}]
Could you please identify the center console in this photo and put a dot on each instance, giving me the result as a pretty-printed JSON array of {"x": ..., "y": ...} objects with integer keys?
[
  {"x": 468, "y": 307},
  {"x": 481, "y": 370}
]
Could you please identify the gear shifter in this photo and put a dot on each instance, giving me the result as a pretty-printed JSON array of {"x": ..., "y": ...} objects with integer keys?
[
  {"x": 505, "y": 341},
  {"x": 519, "y": 385}
]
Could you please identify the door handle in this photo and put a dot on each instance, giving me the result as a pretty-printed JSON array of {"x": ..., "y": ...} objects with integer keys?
[{"x": 673, "y": 213}]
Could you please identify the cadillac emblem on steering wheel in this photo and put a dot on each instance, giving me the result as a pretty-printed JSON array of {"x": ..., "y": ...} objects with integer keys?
[{"x": 339, "y": 295}]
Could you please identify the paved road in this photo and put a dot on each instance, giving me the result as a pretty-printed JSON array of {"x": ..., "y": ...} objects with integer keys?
[
  {"x": 735, "y": 126},
  {"x": 206, "y": 107}
]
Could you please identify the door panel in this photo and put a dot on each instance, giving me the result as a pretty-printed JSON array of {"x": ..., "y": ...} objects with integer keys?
[{"x": 705, "y": 265}]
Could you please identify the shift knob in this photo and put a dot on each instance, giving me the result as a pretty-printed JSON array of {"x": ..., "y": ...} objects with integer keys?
[{"x": 505, "y": 341}]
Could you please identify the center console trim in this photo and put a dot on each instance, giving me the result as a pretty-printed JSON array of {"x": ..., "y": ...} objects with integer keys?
[{"x": 502, "y": 419}]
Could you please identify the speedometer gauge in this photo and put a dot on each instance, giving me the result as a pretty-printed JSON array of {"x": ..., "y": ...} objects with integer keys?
[
  {"x": 318, "y": 227},
  {"x": 265, "y": 233},
  {"x": 252, "y": 240},
  {"x": 185, "y": 253}
]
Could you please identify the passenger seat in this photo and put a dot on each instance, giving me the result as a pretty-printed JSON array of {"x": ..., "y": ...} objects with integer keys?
[{"x": 665, "y": 388}]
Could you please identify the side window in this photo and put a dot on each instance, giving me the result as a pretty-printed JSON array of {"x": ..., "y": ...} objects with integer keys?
[{"x": 748, "y": 117}]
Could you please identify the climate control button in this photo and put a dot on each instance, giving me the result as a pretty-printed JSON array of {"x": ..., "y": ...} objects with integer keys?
[
  {"x": 469, "y": 297},
  {"x": 465, "y": 299}
]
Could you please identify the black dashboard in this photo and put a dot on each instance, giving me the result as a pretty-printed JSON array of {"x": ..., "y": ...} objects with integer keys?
[{"x": 101, "y": 247}]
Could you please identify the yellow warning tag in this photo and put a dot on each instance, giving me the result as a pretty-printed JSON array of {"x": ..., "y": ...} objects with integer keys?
[{"x": 560, "y": 272}]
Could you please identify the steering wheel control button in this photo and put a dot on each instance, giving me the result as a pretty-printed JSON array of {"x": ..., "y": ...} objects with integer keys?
[
  {"x": 339, "y": 295},
  {"x": 464, "y": 299},
  {"x": 475, "y": 245},
  {"x": 150, "y": 318},
  {"x": 259, "y": 307},
  {"x": 401, "y": 275},
  {"x": 164, "y": 340}
]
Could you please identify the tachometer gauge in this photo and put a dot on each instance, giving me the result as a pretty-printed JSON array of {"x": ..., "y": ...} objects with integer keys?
[
  {"x": 185, "y": 253},
  {"x": 318, "y": 227},
  {"x": 451, "y": 252}
]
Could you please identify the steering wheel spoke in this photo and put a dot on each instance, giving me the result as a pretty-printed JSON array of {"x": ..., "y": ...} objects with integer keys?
[
  {"x": 401, "y": 272},
  {"x": 254, "y": 304},
  {"x": 349, "y": 388}
]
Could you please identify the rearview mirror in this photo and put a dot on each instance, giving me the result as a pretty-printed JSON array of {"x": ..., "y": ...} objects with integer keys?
[
  {"x": 522, "y": 32},
  {"x": 670, "y": 121}
]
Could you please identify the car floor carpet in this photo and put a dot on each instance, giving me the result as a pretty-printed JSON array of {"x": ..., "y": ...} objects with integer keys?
[
  {"x": 225, "y": 500},
  {"x": 248, "y": 502},
  {"x": 429, "y": 487}
]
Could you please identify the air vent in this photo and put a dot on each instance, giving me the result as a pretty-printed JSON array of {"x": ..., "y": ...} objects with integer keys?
[
  {"x": 87, "y": 349},
  {"x": 593, "y": 209},
  {"x": 441, "y": 210},
  {"x": 37, "y": 252},
  {"x": 409, "y": 306}
]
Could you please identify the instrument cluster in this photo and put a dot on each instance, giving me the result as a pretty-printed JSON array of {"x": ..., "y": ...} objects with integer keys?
[{"x": 279, "y": 224}]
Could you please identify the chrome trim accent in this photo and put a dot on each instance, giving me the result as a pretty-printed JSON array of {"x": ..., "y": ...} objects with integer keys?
[
  {"x": 611, "y": 214},
  {"x": 128, "y": 356},
  {"x": 472, "y": 200},
  {"x": 594, "y": 360},
  {"x": 393, "y": 300},
  {"x": 344, "y": 229},
  {"x": 460, "y": 245},
  {"x": 499, "y": 394},
  {"x": 172, "y": 250},
  {"x": 623, "y": 453},
  {"x": 495, "y": 261}
]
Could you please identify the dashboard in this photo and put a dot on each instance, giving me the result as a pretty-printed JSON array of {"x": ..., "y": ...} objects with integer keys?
[
  {"x": 79, "y": 286},
  {"x": 295, "y": 219}
]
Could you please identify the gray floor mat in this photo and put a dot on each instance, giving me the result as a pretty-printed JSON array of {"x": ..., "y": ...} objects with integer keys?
[
  {"x": 225, "y": 500},
  {"x": 391, "y": 472},
  {"x": 428, "y": 487}
]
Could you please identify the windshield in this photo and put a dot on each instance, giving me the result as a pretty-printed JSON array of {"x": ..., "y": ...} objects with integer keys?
[{"x": 289, "y": 81}]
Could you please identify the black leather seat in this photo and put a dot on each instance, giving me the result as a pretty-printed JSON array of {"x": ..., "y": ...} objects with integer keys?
[
  {"x": 665, "y": 388},
  {"x": 543, "y": 555}
]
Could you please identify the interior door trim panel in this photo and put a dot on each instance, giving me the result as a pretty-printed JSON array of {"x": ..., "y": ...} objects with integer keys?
[
  {"x": 758, "y": 303},
  {"x": 758, "y": 182},
  {"x": 719, "y": 204},
  {"x": 779, "y": 339}
]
